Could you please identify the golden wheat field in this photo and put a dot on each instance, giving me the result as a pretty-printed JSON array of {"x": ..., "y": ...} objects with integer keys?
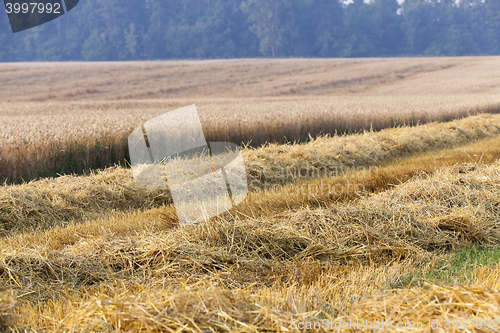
[
  {"x": 388, "y": 210},
  {"x": 58, "y": 117}
]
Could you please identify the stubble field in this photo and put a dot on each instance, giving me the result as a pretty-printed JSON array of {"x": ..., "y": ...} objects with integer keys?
[{"x": 389, "y": 209}]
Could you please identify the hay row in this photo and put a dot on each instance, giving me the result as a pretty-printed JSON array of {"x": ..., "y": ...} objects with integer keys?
[
  {"x": 54, "y": 202},
  {"x": 426, "y": 216}
]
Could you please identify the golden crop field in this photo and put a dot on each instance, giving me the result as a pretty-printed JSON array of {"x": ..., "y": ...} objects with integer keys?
[
  {"x": 388, "y": 210},
  {"x": 59, "y": 118}
]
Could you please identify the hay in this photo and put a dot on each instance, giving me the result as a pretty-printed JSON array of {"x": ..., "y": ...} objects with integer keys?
[
  {"x": 46, "y": 203},
  {"x": 454, "y": 305}
]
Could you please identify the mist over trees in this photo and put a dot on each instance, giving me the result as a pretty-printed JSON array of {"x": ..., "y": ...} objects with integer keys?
[{"x": 208, "y": 29}]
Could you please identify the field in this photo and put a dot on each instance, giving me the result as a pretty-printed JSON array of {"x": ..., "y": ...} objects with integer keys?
[
  {"x": 63, "y": 118},
  {"x": 388, "y": 209}
]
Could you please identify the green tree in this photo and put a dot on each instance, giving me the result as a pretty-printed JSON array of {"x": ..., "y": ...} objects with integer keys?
[
  {"x": 329, "y": 29},
  {"x": 388, "y": 37},
  {"x": 270, "y": 21},
  {"x": 204, "y": 29},
  {"x": 359, "y": 30}
]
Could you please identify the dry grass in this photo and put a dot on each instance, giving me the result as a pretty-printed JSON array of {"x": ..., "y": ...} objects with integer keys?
[
  {"x": 249, "y": 78},
  {"x": 345, "y": 167},
  {"x": 251, "y": 274},
  {"x": 333, "y": 156},
  {"x": 243, "y": 311},
  {"x": 447, "y": 305},
  {"x": 47, "y": 203},
  {"x": 42, "y": 139},
  {"x": 174, "y": 305},
  {"x": 73, "y": 128},
  {"x": 96, "y": 253}
]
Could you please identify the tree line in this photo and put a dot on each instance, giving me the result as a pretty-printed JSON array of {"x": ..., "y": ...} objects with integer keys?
[{"x": 208, "y": 29}]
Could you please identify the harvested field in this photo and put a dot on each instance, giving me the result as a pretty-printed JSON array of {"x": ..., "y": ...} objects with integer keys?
[
  {"x": 249, "y": 78},
  {"x": 327, "y": 161},
  {"x": 386, "y": 208},
  {"x": 249, "y": 259},
  {"x": 47, "y": 133}
]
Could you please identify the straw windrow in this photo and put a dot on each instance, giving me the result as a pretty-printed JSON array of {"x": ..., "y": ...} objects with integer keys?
[
  {"x": 360, "y": 161},
  {"x": 425, "y": 217}
]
